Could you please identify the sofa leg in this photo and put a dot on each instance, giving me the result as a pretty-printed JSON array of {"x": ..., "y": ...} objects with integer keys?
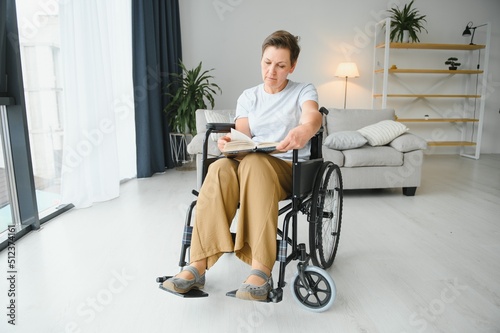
[{"x": 409, "y": 191}]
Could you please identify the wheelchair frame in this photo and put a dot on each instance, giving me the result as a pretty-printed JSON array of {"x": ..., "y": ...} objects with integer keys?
[{"x": 312, "y": 287}]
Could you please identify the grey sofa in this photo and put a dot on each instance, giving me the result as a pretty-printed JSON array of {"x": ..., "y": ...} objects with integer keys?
[{"x": 395, "y": 164}]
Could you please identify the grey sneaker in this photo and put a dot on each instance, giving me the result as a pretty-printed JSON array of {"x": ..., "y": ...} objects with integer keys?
[
  {"x": 255, "y": 293},
  {"x": 182, "y": 286}
]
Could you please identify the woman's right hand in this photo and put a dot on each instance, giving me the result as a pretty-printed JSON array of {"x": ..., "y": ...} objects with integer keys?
[{"x": 221, "y": 143}]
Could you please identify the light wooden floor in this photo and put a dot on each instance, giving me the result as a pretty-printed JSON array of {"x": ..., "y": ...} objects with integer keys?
[{"x": 429, "y": 263}]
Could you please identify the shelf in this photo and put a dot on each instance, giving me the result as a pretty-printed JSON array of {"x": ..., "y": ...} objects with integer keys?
[
  {"x": 430, "y": 46},
  {"x": 428, "y": 96},
  {"x": 422, "y": 84},
  {"x": 450, "y": 143},
  {"x": 430, "y": 71},
  {"x": 437, "y": 120}
]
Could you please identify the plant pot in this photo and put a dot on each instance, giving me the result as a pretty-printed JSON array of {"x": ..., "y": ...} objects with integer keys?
[
  {"x": 452, "y": 68},
  {"x": 178, "y": 149},
  {"x": 406, "y": 36}
]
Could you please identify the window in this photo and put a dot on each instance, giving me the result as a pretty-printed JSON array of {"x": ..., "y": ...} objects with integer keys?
[{"x": 39, "y": 45}]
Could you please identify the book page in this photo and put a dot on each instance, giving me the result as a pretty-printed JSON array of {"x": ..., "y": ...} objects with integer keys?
[
  {"x": 239, "y": 136},
  {"x": 238, "y": 145}
]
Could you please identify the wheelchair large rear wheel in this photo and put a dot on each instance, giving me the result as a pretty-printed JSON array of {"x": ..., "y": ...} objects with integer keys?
[{"x": 326, "y": 215}]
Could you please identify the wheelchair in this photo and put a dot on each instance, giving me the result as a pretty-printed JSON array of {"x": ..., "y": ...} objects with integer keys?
[{"x": 317, "y": 193}]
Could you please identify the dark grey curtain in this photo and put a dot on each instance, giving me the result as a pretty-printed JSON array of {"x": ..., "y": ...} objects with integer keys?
[{"x": 156, "y": 40}]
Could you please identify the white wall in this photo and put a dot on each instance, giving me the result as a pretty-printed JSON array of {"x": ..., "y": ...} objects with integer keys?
[{"x": 227, "y": 35}]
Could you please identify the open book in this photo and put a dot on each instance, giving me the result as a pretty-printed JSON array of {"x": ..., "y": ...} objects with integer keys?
[{"x": 241, "y": 144}]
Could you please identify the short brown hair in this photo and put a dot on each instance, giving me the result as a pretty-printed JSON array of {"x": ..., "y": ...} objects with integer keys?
[{"x": 283, "y": 39}]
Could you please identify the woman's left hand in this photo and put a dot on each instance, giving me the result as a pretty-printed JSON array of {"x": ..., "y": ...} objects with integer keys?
[{"x": 297, "y": 138}]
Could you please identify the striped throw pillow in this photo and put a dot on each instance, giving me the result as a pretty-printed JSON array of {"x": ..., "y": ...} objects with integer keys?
[{"x": 383, "y": 132}]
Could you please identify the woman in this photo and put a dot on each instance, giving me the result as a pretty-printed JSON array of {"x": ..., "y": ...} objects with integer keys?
[{"x": 276, "y": 110}]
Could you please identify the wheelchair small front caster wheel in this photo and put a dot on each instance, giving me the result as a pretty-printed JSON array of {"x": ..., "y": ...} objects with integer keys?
[{"x": 316, "y": 292}]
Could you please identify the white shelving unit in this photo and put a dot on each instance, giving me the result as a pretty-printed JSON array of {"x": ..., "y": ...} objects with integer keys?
[{"x": 391, "y": 83}]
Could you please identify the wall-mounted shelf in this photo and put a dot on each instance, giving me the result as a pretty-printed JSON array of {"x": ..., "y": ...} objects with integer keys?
[
  {"x": 454, "y": 88},
  {"x": 451, "y": 144},
  {"x": 436, "y": 120},
  {"x": 432, "y": 46},
  {"x": 429, "y": 71},
  {"x": 427, "y": 96}
]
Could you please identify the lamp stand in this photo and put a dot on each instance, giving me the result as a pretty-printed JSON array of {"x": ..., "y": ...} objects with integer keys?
[
  {"x": 472, "y": 37},
  {"x": 345, "y": 91}
]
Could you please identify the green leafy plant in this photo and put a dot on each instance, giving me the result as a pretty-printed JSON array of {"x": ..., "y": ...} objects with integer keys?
[
  {"x": 406, "y": 19},
  {"x": 189, "y": 91},
  {"x": 452, "y": 62}
]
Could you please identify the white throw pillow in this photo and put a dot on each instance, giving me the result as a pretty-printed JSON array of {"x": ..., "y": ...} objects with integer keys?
[
  {"x": 214, "y": 116},
  {"x": 383, "y": 132},
  {"x": 345, "y": 140}
]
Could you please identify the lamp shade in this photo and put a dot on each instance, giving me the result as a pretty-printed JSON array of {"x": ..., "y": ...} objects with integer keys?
[
  {"x": 467, "y": 29},
  {"x": 347, "y": 69}
]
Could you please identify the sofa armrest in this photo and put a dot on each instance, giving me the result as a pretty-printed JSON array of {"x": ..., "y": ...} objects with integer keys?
[
  {"x": 196, "y": 144},
  {"x": 206, "y": 129}
]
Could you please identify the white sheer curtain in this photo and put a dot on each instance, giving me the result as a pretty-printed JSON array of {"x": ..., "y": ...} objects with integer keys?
[{"x": 99, "y": 132}]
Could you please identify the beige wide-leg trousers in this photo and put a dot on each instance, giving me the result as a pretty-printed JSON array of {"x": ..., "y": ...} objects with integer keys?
[{"x": 257, "y": 182}]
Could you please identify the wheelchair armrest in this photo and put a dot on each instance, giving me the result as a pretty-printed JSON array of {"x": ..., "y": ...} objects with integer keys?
[
  {"x": 215, "y": 128},
  {"x": 212, "y": 128},
  {"x": 220, "y": 127}
]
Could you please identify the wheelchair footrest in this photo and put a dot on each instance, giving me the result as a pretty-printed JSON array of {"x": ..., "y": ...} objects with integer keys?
[{"x": 193, "y": 293}]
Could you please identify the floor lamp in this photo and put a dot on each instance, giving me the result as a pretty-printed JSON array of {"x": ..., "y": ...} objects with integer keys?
[{"x": 347, "y": 69}]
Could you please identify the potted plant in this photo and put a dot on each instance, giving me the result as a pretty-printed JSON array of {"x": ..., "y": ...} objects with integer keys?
[
  {"x": 189, "y": 91},
  {"x": 452, "y": 62},
  {"x": 406, "y": 23}
]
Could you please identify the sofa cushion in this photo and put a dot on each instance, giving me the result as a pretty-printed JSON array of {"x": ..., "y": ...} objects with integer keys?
[
  {"x": 408, "y": 142},
  {"x": 372, "y": 156},
  {"x": 353, "y": 119},
  {"x": 383, "y": 132},
  {"x": 345, "y": 140},
  {"x": 334, "y": 156}
]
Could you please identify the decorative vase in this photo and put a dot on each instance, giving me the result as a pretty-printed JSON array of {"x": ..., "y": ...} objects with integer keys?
[{"x": 406, "y": 36}]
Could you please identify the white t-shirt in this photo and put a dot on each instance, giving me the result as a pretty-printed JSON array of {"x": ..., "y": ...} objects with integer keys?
[{"x": 272, "y": 116}]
